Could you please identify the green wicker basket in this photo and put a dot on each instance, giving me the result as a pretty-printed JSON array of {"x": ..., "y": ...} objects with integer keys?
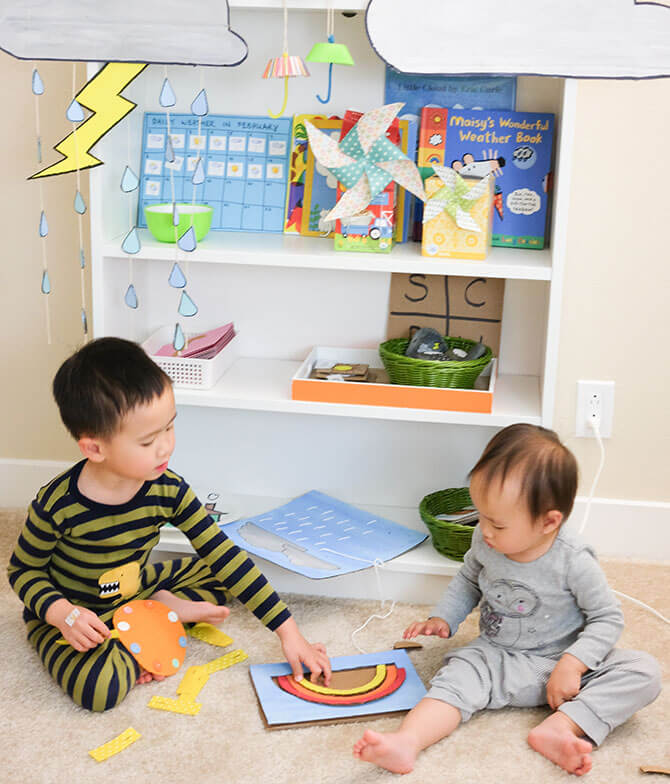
[
  {"x": 450, "y": 539},
  {"x": 453, "y": 374}
]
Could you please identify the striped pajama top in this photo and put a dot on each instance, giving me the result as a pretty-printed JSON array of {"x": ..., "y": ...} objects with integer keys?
[{"x": 68, "y": 543}]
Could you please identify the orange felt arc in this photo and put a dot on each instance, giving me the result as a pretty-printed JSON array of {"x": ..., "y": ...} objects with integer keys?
[
  {"x": 395, "y": 677},
  {"x": 153, "y": 634}
]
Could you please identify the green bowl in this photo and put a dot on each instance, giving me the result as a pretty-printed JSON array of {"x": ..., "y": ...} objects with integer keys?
[{"x": 159, "y": 220}]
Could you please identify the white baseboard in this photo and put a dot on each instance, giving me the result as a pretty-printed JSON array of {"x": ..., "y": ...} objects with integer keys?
[
  {"x": 21, "y": 479},
  {"x": 617, "y": 528}
]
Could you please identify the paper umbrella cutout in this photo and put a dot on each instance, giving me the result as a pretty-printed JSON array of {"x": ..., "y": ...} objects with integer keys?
[
  {"x": 365, "y": 161},
  {"x": 456, "y": 198}
]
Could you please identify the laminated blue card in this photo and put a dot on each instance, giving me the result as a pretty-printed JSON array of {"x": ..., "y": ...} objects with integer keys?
[{"x": 319, "y": 536}]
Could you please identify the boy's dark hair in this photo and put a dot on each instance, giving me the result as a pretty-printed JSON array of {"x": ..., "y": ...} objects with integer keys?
[
  {"x": 549, "y": 472},
  {"x": 99, "y": 384}
]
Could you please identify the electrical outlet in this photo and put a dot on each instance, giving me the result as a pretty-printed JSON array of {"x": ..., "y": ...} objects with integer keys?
[{"x": 595, "y": 401}]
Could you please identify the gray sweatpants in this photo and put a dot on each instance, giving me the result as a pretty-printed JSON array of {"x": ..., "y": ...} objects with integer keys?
[{"x": 482, "y": 675}]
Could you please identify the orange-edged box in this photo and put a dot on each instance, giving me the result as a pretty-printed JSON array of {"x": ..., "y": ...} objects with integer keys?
[{"x": 380, "y": 392}]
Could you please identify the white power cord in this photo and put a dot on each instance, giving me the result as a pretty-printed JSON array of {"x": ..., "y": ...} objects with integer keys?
[{"x": 594, "y": 422}]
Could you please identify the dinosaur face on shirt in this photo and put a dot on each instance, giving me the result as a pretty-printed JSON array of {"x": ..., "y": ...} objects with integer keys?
[{"x": 122, "y": 581}]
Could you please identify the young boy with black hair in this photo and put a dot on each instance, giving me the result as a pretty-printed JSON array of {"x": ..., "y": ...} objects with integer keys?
[
  {"x": 85, "y": 546},
  {"x": 548, "y": 622}
]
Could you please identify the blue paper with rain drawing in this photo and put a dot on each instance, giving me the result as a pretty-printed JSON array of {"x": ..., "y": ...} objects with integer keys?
[{"x": 319, "y": 536}]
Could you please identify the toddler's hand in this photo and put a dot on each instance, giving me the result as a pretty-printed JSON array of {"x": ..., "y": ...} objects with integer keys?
[
  {"x": 433, "y": 626},
  {"x": 298, "y": 652},
  {"x": 565, "y": 681},
  {"x": 85, "y": 631}
]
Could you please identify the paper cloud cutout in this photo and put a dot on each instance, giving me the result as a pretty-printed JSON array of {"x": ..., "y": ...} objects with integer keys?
[
  {"x": 150, "y": 31},
  {"x": 619, "y": 39}
]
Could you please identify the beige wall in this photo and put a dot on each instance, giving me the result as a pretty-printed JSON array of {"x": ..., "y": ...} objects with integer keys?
[
  {"x": 30, "y": 426},
  {"x": 614, "y": 321}
]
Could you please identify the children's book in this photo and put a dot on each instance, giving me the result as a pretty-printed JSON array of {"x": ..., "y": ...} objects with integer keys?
[
  {"x": 462, "y": 92},
  {"x": 515, "y": 148},
  {"x": 409, "y": 137}
]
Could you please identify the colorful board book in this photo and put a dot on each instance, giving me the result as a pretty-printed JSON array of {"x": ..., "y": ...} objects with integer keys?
[
  {"x": 516, "y": 147},
  {"x": 245, "y": 158}
]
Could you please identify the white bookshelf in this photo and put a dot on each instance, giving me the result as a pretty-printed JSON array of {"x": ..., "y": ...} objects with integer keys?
[{"x": 287, "y": 294}]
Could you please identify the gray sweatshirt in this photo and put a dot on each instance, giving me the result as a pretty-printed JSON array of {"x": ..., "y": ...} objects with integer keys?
[{"x": 559, "y": 603}]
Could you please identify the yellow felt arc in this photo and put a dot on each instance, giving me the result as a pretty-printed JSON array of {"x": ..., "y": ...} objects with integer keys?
[
  {"x": 377, "y": 678},
  {"x": 210, "y": 634},
  {"x": 193, "y": 681},
  {"x": 115, "y": 745}
]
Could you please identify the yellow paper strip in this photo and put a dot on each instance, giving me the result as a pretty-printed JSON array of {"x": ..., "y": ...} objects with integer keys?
[
  {"x": 210, "y": 634},
  {"x": 115, "y": 745},
  {"x": 225, "y": 661},
  {"x": 193, "y": 681},
  {"x": 181, "y": 705},
  {"x": 113, "y": 635}
]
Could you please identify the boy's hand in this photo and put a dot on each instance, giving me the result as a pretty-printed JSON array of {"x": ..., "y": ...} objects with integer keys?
[
  {"x": 565, "y": 681},
  {"x": 298, "y": 652},
  {"x": 433, "y": 626},
  {"x": 86, "y": 631}
]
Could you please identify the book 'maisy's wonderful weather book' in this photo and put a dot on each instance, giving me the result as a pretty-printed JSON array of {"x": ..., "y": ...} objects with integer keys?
[{"x": 514, "y": 148}]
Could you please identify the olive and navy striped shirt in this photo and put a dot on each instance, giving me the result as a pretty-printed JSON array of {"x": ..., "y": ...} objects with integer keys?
[{"x": 68, "y": 542}]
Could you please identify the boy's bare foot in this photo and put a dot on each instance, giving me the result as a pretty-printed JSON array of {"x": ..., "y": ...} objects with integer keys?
[
  {"x": 193, "y": 612},
  {"x": 146, "y": 677},
  {"x": 560, "y": 740},
  {"x": 394, "y": 751}
]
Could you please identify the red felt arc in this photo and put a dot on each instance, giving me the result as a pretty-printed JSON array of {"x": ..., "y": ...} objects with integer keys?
[{"x": 395, "y": 677}]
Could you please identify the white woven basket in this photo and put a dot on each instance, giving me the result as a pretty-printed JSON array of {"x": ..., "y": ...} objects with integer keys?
[{"x": 187, "y": 372}]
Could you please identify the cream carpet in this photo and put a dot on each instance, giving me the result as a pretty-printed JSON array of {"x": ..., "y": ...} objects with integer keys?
[{"x": 44, "y": 738}]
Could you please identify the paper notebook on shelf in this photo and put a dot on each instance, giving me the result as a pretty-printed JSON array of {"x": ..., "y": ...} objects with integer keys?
[{"x": 319, "y": 536}]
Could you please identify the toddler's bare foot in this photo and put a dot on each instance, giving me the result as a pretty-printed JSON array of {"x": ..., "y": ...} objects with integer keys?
[
  {"x": 559, "y": 739},
  {"x": 394, "y": 751},
  {"x": 193, "y": 612},
  {"x": 146, "y": 677}
]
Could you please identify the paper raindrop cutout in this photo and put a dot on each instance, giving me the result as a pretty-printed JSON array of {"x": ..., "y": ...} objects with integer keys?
[
  {"x": 46, "y": 283},
  {"x": 74, "y": 112},
  {"x": 167, "y": 96},
  {"x": 131, "y": 297},
  {"x": 177, "y": 279},
  {"x": 38, "y": 84},
  {"x": 129, "y": 181},
  {"x": 179, "y": 341},
  {"x": 131, "y": 244},
  {"x": 198, "y": 173},
  {"x": 186, "y": 305},
  {"x": 44, "y": 226},
  {"x": 200, "y": 106},
  {"x": 79, "y": 203},
  {"x": 187, "y": 240}
]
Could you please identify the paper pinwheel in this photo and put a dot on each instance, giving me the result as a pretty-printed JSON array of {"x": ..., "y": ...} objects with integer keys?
[
  {"x": 365, "y": 161},
  {"x": 456, "y": 198}
]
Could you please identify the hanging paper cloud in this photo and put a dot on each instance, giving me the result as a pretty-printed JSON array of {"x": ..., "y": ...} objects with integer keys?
[
  {"x": 74, "y": 112},
  {"x": 79, "y": 203},
  {"x": 46, "y": 283},
  {"x": 131, "y": 244},
  {"x": 167, "y": 96},
  {"x": 177, "y": 279},
  {"x": 131, "y": 297},
  {"x": 200, "y": 105},
  {"x": 38, "y": 84},
  {"x": 129, "y": 181},
  {"x": 186, "y": 305},
  {"x": 44, "y": 226},
  {"x": 179, "y": 341},
  {"x": 198, "y": 173},
  {"x": 187, "y": 240}
]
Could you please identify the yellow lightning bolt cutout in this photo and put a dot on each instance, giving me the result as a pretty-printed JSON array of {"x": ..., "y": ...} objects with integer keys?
[{"x": 101, "y": 96}]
